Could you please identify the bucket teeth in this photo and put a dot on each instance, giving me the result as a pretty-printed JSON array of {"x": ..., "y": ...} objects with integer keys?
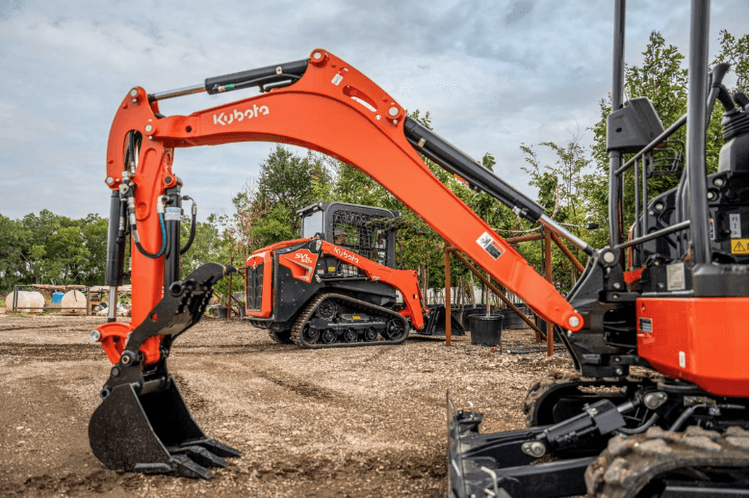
[
  {"x": 184, "y": 466},
  {"x": 218, "y": 448},
  {"x": 199, "y": 455}
]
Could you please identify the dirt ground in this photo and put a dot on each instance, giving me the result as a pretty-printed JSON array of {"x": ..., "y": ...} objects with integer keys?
[{"x": 350, "y": 422}]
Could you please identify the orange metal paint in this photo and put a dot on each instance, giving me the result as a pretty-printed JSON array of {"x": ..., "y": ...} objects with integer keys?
[
  {"x": 266, "y": 258},
  {"x": 315, "y": 112},
  {"x": 702, "y": 340},
  {"x": 301, "y": 263}
]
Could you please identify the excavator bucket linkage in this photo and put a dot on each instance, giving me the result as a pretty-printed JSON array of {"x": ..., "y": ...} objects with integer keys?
[{"x": 143, "y": 424}]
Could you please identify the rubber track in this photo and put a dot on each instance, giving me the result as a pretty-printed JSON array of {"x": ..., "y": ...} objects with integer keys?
[
  {"x": 364, "y": 305},
  {"x": 628, "y": 464},
  {"x": 557, "y": 380},
  {"x": 278, "y": 339}
]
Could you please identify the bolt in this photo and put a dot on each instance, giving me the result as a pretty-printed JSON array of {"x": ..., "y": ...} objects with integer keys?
[
  {"x": 115, "y": 371},
  {"x": 126, "y": 358},
  {"x": 658, "y": 206},
  {"x": 619, "y": 371},
  {"x": 109, "y": 180},
  {"x": 393, "y": 111},
  {"x": 574, "y": 321},
  {"x": 535, "y": 449},
  {"x": 95, "y": 335},
  {"x": 616, "y": 285},
  {"x": 395, "y": 121},
  {"x": 134, "y": 92},
  {"x": 718, "y": 182},
  {"x": 317, "y": 56},
  {"x": 710, "y": 196},
  {"x": 149, "y": 128},
  {"x": 654, "y": 400},
  {"x": 608, "y": 257},
  {"x": 377, "y": 116}
]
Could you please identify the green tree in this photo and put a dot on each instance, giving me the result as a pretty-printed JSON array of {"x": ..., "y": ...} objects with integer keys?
[{"x": 662, "y": 77}]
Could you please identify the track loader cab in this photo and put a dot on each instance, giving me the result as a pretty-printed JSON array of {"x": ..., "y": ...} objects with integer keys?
[{"x": 365, "y": 230}]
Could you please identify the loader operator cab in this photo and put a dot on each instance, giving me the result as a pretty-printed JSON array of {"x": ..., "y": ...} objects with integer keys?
[{"x": 365, "y": 230}]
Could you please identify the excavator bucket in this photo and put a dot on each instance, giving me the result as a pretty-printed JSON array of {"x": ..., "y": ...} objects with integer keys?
[
  {"x": 143, "y": 424},
  {"x": 153, "y": 433}
]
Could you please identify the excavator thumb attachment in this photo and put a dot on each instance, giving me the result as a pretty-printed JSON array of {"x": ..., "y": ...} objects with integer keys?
[{"x": 143, "y": 424}]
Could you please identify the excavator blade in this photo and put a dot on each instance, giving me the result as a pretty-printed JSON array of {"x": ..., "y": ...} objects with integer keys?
[
  {"x": 153, "y": 433},
  {"x": 143, "y": 424}
]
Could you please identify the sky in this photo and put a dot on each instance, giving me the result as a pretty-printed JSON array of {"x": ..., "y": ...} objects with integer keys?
[{"x": 494, "y": 74}]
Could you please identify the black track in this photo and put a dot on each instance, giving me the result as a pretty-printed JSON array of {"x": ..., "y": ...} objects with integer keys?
[{"x": 396, "y": 328}]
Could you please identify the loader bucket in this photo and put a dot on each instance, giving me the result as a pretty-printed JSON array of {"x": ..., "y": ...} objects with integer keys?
[
  {"x": 435, "y": 323},
  {"x": 153, "y": 433}
]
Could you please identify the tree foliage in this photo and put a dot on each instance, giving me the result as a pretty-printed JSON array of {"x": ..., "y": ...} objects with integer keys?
[
  {"x": 571, "y": 180},
  {"x": 48, "y": 248}
]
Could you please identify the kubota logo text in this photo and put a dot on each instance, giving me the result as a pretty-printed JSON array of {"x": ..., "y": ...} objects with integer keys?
[
  {"x": 238, "y": 115},
  {"x": 345, "y": 255}
]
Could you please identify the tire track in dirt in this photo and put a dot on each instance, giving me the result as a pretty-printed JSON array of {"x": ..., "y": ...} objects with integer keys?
[{"x": 50, "y": 352}]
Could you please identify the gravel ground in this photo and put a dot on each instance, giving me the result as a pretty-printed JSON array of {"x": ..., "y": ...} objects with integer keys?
[{"x": 351, "y": 422}]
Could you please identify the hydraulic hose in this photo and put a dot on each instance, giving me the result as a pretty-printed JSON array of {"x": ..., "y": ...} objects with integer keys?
[
  {"x": 193, "y": 223},
  {"x": 163, "y": 240},
  {"x": 134, "y": 228}
]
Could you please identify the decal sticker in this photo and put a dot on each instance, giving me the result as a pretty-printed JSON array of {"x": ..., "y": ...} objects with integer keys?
[
  {"x": 488, "y": 244},
  {"x": 645, "y": 325},
  {"x": 230, "y": 117},
  {"x": 676, "y": 277},
  {"x": 735, "y": 225},
  {"x": 337, "y": 79},
  {"x": 172, "y": 214},
  {"x": 342, "y": 254},
  {"x": 301, "y": 263},
  {"x": 739, "y": 246}
]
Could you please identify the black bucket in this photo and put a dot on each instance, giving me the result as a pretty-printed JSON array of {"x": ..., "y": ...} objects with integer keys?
[
  {"x": 222, "y": 312},
  {"x": 472, "y": 310},
  {"x": 486, "y": 330},
  {"x": 435, "y": 322},
  {"x": 511, "y": 319}
]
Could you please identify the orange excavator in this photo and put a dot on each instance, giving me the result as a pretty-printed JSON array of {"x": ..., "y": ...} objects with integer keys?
[{"x": 656, "y": 326}]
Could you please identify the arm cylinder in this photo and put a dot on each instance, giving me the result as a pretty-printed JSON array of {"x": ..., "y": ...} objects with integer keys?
[
  {"x": 457, "y": 162},
  {"x": 115, "y": 247},
  {"x": 253, "y": 77}
]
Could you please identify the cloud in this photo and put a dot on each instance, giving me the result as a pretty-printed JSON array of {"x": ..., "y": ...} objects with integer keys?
[
  {"x": 520, "y": 10},
  {"x": 493, "y": 74}
]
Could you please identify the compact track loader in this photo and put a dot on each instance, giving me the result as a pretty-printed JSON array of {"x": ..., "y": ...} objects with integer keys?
[
  {"x": 338, "y": 286},
  {"x": 657, "y": 326}
]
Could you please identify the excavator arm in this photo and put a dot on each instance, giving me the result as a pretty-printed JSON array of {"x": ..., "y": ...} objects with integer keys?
[
  {"x": 321, "y": 103},
  {"x": 326, "y": 105}
]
